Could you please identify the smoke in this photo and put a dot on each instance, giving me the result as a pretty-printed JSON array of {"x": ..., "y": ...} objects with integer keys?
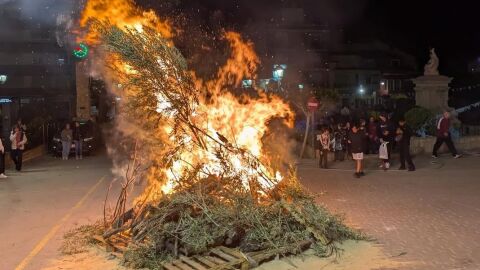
[{"x": 42, "y": 11}]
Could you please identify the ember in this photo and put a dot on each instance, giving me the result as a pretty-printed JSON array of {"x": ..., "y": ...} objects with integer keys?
[{"x": 210, "y": 179}]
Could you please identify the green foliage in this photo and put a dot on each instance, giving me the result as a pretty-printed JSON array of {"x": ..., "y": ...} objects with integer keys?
[{"x": 418, "y": 118}]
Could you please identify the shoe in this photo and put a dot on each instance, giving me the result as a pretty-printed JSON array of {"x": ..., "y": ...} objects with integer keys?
[
  {"x": 401, "y": 168},
  {"x": 457, "y": 156},
  {"x": 357, "y": 175},
  {"x": 387, "y": 165},
  {"x": 434, "y": 156},
  {"x": 3, "y": 176},
  {"x": 362, "y": 174},
  {"x": 411, "y": 169}
]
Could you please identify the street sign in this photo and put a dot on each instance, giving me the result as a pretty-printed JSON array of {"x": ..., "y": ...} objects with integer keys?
[{"x": 312, "y": 104}]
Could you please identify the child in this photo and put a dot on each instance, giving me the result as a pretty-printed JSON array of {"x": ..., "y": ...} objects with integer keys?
[
  {"x": 338, "y": 147},
  {"x": 357, "y": 145},
  {"x": 404, "y": 133},
  {"x": 324, "y": 148}
]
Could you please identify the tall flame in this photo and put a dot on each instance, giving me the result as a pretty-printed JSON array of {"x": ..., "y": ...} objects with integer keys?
[
  {"x": 121, "y": 13},
  {"x": 227, "y": 120}
]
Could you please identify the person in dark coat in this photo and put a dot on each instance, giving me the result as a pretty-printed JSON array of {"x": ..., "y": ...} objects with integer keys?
[
  {"x": 357, "y": 141},
  {"x": 78, "y": 140},
  {"x": 386, "y": 134},
  {"x": 443, "y": 136},
  {"x": 404, "y": 133}
]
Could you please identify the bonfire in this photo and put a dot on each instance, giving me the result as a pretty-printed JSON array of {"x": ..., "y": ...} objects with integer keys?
[{"x": 212, "y": 178}]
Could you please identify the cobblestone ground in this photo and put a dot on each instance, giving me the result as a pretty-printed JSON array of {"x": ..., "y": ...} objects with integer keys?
[{"x": 430, "y": 217}]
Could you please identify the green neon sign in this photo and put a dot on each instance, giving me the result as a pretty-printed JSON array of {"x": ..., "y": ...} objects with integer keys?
[{"x": 80, "y": 51}]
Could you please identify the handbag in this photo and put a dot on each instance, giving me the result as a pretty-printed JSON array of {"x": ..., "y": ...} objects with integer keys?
[{"x": 383, "y": 151}]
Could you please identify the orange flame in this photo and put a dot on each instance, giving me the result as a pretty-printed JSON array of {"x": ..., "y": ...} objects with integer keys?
[
  {"x": 121, "y": 13},
  {"x": 242, "y": 121}
]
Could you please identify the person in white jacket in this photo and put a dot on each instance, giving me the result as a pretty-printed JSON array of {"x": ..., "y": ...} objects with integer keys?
[
  {"x": 2, "y": 160},
  {"x": 18, "y": 139}
]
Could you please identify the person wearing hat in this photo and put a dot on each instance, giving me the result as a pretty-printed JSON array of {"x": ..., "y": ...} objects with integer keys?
[
  {"x": 386, "y": 133},
  {"x": 403, "y": 135}
]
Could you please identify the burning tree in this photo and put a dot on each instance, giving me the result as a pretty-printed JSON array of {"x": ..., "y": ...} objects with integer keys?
[{"x": 210, "y": 180}]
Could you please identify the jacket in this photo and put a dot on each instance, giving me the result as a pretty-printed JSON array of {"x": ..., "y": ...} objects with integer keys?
[
  {"x": 406, "y": 135},
  {"x": 384, "y": 127},
  {"x": 443, "y": 126},
  {"x": 77, "y": 134},
  {"x": 18, "y": 145},
  {"x": 66, "y": 135},
  {"x": 357, "y": 141}
]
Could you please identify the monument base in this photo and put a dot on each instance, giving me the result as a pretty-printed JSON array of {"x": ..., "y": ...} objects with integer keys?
[{"x": 431, "y": 92}]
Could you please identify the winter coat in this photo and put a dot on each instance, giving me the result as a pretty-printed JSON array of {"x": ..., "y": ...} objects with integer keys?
[
  {"x": 77, "y": 134},
  {"x": 20, "y": 144},
  {"x": 66, "y": 135},
  {"x": 357, "y": 141},
  {"x": 443, "y": 126},
  {"x": 386, "y": 126},
  {"x": 405, "y": 136}
]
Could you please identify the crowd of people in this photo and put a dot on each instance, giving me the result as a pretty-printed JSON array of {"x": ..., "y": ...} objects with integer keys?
[
  {"x": 354, "y": 139},
  {"x": 18, "y": 140}
]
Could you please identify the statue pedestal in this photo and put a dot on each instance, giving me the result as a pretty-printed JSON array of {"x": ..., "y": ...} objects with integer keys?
[{"x": 431, "y": 92}]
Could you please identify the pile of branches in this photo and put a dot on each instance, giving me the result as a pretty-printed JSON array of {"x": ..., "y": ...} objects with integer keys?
[
  {"x": 220, "y": 212},
  {"x": 205, "y": 209}
]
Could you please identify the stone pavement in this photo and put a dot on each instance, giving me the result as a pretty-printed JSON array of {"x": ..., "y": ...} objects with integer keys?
[{"x": 430, "y": 217}]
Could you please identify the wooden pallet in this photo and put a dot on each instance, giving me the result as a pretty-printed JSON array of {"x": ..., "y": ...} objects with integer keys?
[{"x": 216, "y": 259}]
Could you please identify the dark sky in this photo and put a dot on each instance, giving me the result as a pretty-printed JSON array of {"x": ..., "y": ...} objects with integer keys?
[{"x": 413, "y": 26}]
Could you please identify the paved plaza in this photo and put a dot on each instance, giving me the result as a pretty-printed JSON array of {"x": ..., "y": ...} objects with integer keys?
[{"x": 429, "y": 217}]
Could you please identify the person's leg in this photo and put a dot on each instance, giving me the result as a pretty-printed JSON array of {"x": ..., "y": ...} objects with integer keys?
[
  {"x": 2, "y": 163},
  {"x": 77, "y": 146},
  {"x": 402, "y": 156},
  {"x": 319, "y": 159},
  {"x": 451, "y": 146},
  {"x": 408, "y": 157},
  {"x": 13, "y": 156},
  {"x": 19, "y": 159},
  {"x": 80, "y": 143},
  {"x": 436, "y": 146},
  {"x": 325, "y": 159}
]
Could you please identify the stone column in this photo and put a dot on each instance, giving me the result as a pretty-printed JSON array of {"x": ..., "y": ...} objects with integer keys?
[{"x": 431, "y": 92}]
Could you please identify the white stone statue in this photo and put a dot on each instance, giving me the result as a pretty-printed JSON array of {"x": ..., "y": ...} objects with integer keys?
[{"x": 431, "y": 68}]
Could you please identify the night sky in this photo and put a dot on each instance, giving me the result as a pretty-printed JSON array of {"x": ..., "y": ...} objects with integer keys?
[{"x": 413, "y": 26}]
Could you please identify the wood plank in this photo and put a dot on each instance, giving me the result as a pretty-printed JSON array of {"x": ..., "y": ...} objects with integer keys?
[
  {"x": 223, "y": 255},
  {"x": 170, "y": 266},
  {"x": 215, "y": 260},
  {"x": 233, "y": 252},
  {"x": 192, "y": 263},
  {"x": 182, "y": 265},
  {"x": 205, "y": 261}
]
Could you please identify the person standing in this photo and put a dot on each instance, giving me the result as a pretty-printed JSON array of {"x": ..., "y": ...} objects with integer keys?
[
  {"x": 372, "y": 136},
  {"x": 404, "y": 133},
  {"x": 66, "y": 137},
  {"x": 443, "y": 136},
  {"x": 2, "y": 160},
  {"x": 357, "y": 145},
  {"x": 385, "y": 131},
  {"x": 78, "y": 140},
  {"x": 18, "y": 139},
  {"x": 324, "y": 148}
]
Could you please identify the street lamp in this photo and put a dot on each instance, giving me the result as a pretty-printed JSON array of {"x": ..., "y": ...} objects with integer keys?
[
  {"x": 247, "y": 84},
  {"x": 361, "y": 90},
  {"x": 279, "y": 72},
  {"x": 3, "y": 79}
]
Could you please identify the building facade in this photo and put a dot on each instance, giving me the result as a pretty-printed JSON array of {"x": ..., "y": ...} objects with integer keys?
[{"x": 37, "y": 76}]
